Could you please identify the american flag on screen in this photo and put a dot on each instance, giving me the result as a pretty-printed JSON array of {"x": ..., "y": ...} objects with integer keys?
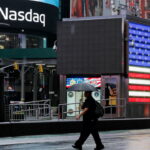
[{"x": 139, "y": 62}]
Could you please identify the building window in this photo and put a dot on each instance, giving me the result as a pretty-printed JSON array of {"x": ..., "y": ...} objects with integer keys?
[
  {"x": 8, "y": 40},
  {"x": 34, "y": 41},
  {"x": 13, "y": 40}
]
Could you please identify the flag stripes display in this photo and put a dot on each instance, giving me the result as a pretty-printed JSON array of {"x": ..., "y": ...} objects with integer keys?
[{"x": 139, "y": 62}]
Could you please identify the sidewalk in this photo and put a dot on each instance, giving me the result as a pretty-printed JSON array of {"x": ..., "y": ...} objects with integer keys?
[{"x": 113, "y": 140}]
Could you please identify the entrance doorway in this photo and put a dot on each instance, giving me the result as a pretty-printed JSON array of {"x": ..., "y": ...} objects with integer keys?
[{"x": 110, "y": 94}]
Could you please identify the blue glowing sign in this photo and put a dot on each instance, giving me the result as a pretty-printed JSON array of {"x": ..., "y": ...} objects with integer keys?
[
  {"x": 52, "y": 2},
  {"x": 139, "y": 45},
  {"x": 72, "y": 81}
]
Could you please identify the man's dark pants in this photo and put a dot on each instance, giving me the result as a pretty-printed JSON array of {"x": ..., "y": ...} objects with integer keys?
[{"x": 89, "y": 127}]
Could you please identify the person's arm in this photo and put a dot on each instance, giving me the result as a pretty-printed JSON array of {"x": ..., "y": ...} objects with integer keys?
[
  {"x": 110, "y": 90},
  {"x": 82, "y": 113}
]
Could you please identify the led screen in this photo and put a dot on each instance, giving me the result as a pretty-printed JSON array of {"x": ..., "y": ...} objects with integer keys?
[
  {"x": 90, "y": 47},
  {"x": 139, "y": 62},
  {"x": 96, "y": 82}
]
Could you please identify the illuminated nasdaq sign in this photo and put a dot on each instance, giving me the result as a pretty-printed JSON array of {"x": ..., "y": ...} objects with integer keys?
[
  {"x": 139, "y": 62},
  {"x": 29, "y": 16},
  {"x": 39, "y": 15}
]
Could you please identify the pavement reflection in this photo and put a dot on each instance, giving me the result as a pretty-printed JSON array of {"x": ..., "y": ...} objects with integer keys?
[{"x": 113, "y": 140}]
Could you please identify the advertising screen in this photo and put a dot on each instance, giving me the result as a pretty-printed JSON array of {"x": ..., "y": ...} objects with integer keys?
[
  {"x": 96, "y": 82},
  {"x": 40, "y": 15},
  {"x": 89, "y": 47},
  {"x": 139, "y": 62}
]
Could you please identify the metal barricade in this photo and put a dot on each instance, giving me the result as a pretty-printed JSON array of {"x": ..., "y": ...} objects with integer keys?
[
  {"x": 62, "y": 110},
  {"x": 117, "y": 110},
  {"x": 28, "y": 111},
  {"x": 110, "y": 110}
]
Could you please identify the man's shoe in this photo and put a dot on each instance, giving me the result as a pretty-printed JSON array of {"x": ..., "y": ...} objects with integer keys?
[
  {"x": 77, "y": 147},
  {"x": 99, "y": 147}
]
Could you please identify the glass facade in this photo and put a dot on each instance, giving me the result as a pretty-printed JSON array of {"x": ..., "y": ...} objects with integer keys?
[
  {"x": 8, "y": 40},
  {"x": 35, "y": 79},
  {"x": 13, "y": 40},
  {"x": 34, "y": 42}
]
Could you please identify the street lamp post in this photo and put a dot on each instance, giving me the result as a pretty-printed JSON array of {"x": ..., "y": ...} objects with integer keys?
[{"x": 22, "y": 83}]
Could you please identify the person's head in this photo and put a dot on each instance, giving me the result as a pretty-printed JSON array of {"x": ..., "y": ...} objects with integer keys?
[{"x": 87, "y": 93}]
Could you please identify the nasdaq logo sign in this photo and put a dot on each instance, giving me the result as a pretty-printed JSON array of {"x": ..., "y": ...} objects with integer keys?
[
  {"x": 29, "y": 16},
  {"x": 37, "y": 15}
]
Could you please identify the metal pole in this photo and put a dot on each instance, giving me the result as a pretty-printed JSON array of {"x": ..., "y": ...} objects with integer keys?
[
  {"x": 35, "y": 85},
  {"x": 51, "y": 84},
  {"x": 22, "y": 83}
]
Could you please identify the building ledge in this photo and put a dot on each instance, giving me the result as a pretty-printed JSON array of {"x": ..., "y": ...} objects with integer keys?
[{"x": 28, "y": 53}]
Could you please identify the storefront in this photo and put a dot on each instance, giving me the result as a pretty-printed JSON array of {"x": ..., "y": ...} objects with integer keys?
[
  {"x": 28, "y": 62},
  {"x": 76, "y": 98}
]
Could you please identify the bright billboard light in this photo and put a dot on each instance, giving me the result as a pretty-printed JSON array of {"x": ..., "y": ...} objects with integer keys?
[
  {"x": 139, "y": 94},
  {"x": 95, "y": 81},
  {"x": 52, "y": 2},
  {"x": 139, "y": 81}
]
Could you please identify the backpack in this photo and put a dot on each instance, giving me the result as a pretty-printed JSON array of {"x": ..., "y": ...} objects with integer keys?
[{"x": 99, "y": 110}]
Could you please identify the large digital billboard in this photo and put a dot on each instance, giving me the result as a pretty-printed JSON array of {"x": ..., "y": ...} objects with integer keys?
[
  {"x": 40, "y": 15},
  {"x": 95, "y": 81},
  {"x": 139, "y": 62},
  {"x": 90, "y": 47}
]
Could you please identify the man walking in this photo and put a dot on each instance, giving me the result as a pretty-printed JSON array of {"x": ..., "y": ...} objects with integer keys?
[{"x": 89, "y": 125}]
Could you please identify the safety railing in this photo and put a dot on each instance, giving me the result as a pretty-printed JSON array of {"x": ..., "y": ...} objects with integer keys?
[
  {"x": 29, "y": 111},
  {"x": 113, "y": 108}
]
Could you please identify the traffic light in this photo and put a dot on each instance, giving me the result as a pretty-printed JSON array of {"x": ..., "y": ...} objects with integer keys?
[
  {"x": 16, "y": 66},
  {"x": 40, "y": 68}
]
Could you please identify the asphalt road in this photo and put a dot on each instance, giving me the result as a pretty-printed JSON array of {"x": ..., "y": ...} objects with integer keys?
[{"x": 113, "y": 140}]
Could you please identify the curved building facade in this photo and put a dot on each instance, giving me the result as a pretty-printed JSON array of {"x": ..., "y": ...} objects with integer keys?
[
  {"x": 28, "y": 63},
  {"x": 32, "y": 17}
]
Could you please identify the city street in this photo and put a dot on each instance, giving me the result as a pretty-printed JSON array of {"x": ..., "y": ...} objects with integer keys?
[{"x": 113, "y": 140}]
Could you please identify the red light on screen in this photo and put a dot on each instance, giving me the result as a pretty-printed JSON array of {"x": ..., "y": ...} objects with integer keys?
[
  {"x": 139, "y": 75},
  {"x": 139, "y": 88},
  {"x": 139, "y": 100}
]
